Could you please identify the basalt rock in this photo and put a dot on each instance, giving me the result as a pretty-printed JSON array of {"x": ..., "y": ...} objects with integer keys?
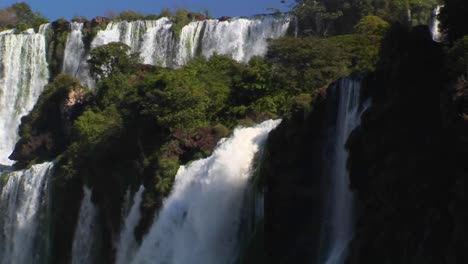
[
  {"x": 100, "y": 21},
  {"x": 407, "y": 159}
]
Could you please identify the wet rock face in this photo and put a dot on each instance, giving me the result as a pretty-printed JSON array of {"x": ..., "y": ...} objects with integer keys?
[
  {"x": 406, "y": 161},
  {"x": 291, "y": 169}
]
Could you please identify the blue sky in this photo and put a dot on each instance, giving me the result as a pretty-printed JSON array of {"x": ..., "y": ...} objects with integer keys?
[{"x": 54, "y": 9}]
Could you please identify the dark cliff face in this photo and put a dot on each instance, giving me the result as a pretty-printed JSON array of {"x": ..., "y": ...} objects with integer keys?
[
  {"x": 406, "y": 159},
  {"x": 294, "y": 166},
  {"x": 292, "y": 187}
]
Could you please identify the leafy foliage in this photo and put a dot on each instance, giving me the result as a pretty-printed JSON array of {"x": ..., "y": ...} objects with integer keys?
[
  {"x": 45, "y": 131},
  {"x": 111, "y": 59},
  {"x": 325, "y": 18},
  {"x": 372, "y": 25},
  {"x": 21, "y": 17},
  {"x": 56, "y": 40}
]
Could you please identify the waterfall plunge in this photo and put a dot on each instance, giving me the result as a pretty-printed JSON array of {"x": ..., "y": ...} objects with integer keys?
[
  {"x": 437, "y": 35},
  {"x": 199, "y": 221},
  {"x": 339, "y": 224},
  {"x": 23, "y": 225},
  {"x": 23, "y": 75},
  {"x": 127, "y": 246},
  {"x": 83, "y": 248}
]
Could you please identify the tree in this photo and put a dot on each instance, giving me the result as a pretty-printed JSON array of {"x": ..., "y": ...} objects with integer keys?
[
  {"x": 93, "y": 128},
  {"x": 21, "y": 17},
  {"x": 372, "y": 25},
  {"x": 314, "y": 18},
  {"x": 111, "y": 59}
]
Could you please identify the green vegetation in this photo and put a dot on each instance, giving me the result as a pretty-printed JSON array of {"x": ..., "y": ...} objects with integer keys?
[
  {"x": 326, "y": 18},
  {"x": 305, "y": 64},
  {"x": 45, "y": 131},
  {"x": 56, "y": 40},
  {"x": 142, "y": 122},
  {"x": 111, "y": 60},
  {"x": 19, "y": 16},
  {"x": 4, "y": 179}
]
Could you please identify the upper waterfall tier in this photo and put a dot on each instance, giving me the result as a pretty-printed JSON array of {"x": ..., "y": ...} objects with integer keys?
[
  {"x": 23, "y": 75},
  {"x": 74, "y": 59},
  {"x": 155, "y": 40}
]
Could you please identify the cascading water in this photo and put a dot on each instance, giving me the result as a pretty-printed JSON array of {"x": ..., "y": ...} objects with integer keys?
[
  {"x": 84, "y": 241},
  {"x": 240, "y": 38},
  {"x": 199, "y": 221},
  {"x": 129, "y": 33},
  {"x": 23, "y": 75},
  {"x": 24, "y": 206},
  {"x": 75, "y": 57},
  {"x": 435, "y": 24},
  {"x": 128, "y": 245},
  {"x": 338, "y": 226},
  {"x": 158, "y": 44}
]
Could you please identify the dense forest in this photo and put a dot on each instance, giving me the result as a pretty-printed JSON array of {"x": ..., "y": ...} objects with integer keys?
[{"x": 139, "y": 123}]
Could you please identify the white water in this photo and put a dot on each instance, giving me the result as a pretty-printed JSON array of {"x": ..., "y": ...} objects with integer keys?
[
  {"x": 435, "y": 25},
  {"x": 23, "y": 203},
  {"x": 340, "y": 228},
  {"x": 240, "y": 38},
  {"x": 128, "y": 245},
  {"x": 23, "y": 75},
  {"x": 83, "y": 248},
  {"x": 199, "y": 221},
  {"x": 75, "y": 57}
]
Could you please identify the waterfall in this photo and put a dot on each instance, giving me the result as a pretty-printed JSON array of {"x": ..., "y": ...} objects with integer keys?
[
  {"x": 435, "y": 25},
  {"x": 240, "y": 38},
  {"x": 158, "y": 44},
  {"x": 199, "y": 221},
  {"x": 84, "y": 241},
  {"x": 23, "y": 225},
  {"x": 127, "y": 243},
  {"x": 129, "y": 33},
  {"x": 23, "y": 75},
  {"x": 75, "y": 57},
  {"x": 339, "y": 223}
]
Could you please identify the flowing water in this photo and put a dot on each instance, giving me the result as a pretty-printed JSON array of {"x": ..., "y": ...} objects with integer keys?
[
  {"x": 339, "y": 209},
  {"x": 84, "y": 242},
  {"x": 199, "y": 221},
  {"x": 240, "y": 38},
  {"x": 435, "y": 25},
  {"x": 23, "y": 75},
  {"x": 75, "y": 57},
  {"x": 24, "y": 204},
  {"x": 127, "y": 246}
]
